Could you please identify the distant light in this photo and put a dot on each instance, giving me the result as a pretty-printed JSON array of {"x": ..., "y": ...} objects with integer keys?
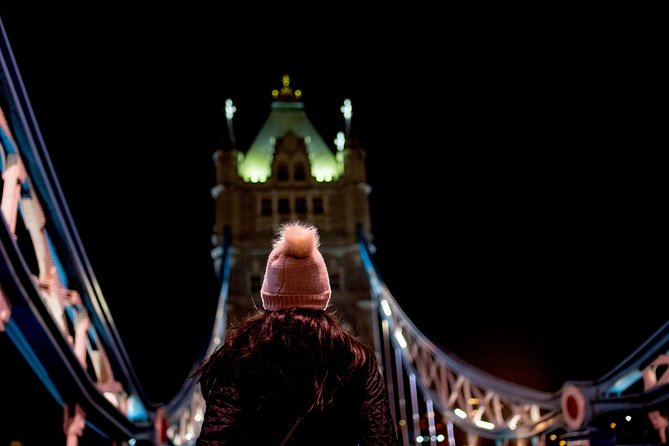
[
  {"x": 553, "y": 437},
  {"x": 440, "y": 438},
  {"x": 628, "y": 418},
  {"x": 473, "y": 400},
  {"x": 339, "y": 141},
  {"x": 400, "y": 338},
  {"x": 347, "y": 109},
  {"x": 132, "y": 442},
  {"x": 298, "y": 93},
  {"x": 613, "y": 425},
  {"x": 275, "y": 93},
  {"x": 320, "y": 178},
  {"x": 255, "y": 178},
  {"x": 461, "y": 413},
  {"x": 420, "y": 439},
  {"x": 402, "y": 422},
  {"x": 188, "y": 436},
  {"x": 484, "y": 424},
  {"x": 562, "y": 443},
  {"x": 386, "y": 308},
  {"x": 229, "y": 109}
]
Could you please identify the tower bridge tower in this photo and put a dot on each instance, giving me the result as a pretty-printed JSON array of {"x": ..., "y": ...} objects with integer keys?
[{"x": 289, "y": 173}]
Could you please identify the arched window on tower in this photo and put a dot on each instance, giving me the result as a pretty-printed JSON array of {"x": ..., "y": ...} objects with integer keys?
[
  {"x": 284, "y": 206},
  {"x": 301, "y": 207},
  {"x": 317, "y": 206},
  {"x": 266, "y": 206},
  {"x": 282, "y": 172},
  {"x": 299, "y": 174}
]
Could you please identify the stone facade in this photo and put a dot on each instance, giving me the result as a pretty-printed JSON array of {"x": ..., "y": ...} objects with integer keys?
[{"x": 253, "y": 210}]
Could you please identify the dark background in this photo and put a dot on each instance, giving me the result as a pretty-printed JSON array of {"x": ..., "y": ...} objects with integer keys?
[{"x": 517, "y": 194}]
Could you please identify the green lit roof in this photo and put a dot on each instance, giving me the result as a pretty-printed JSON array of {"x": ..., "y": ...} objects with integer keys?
[{"x": 256, "y": 164}]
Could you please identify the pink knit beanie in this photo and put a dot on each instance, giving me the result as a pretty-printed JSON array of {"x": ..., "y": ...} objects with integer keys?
[{"x": 296, "y": 276}]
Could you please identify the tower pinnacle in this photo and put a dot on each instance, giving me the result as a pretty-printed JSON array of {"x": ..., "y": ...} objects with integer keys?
[{"x": 286, "y": 94}]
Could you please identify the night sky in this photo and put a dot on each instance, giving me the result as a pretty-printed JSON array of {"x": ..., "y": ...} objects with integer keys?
[{"x": 515, "y": 185}]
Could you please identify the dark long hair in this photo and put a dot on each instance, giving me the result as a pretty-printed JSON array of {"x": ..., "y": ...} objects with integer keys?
[{"x": 296, "y": 354}]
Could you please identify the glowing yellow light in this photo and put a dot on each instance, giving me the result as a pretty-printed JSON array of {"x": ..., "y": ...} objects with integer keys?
[
  {"x": 386, "y": 308},
  {"x": 562, "y": 443},
  {"x": 484, "y": 424},
  {"x": 275, "y": 93},
  {"x": 553, "y": 437},
  {"x": 473, "y": 400},
  {"x": 285, "y": 80},
  {"x": 402, "y": 422},
  {"x": 613, "y": 425},
  {"x": 400, "y": 338},
  {"x": 461, "y": 413},
  {"x": 258, "y": 159},
  {"x": 254, "y": 171},
  {"x": 628, "y": 418},
  {"x": 298, "y": 93}
]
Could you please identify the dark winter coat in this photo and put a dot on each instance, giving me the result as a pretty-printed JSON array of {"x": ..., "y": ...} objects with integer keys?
[{"x": 359, "y": 416}]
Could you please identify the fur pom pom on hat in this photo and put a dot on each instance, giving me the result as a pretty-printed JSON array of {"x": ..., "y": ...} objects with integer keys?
[{"x": 296, "y": 275}]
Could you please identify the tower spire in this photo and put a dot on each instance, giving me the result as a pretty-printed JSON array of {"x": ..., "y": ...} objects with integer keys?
[
  {"x": 230, "y": 110},
  {"x": 286, "y": 94},
  {"x": 340, "y": 141},
  {"x": 347, "y": 111}
]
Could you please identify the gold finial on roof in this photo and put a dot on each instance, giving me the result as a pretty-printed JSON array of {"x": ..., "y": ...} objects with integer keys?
[{"x": 286, "y": 94}]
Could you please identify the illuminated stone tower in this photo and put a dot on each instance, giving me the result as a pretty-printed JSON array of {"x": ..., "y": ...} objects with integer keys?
[{"x": 289, "y": 173}]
